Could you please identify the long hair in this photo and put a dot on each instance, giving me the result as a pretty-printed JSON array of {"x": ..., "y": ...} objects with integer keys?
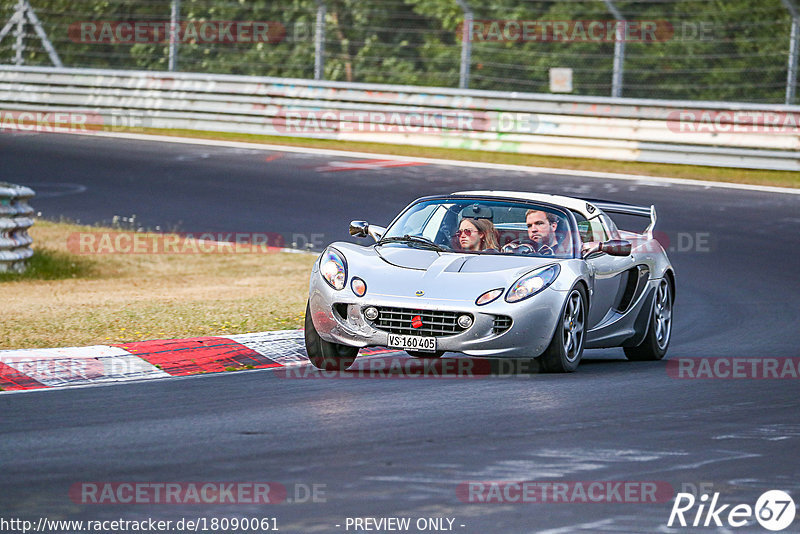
[{"x": 485, "y": 226}]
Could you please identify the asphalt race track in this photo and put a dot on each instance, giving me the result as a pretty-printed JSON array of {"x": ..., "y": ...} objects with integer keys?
[{"x": 401, "y": 447}]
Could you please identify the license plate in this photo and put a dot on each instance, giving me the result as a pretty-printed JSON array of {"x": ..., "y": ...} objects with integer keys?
[{"x": 425, "y": 344}]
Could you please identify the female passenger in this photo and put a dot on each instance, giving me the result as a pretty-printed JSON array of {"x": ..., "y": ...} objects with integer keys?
[{"x": 477, "y": 234}]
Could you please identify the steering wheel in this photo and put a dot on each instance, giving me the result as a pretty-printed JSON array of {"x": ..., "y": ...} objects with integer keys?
[
  {"x": 527, "y": 248},
  {"x": 546, "y": 250}
]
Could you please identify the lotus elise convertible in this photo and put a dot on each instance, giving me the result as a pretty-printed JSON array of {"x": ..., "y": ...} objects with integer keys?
[{"x": 494, "y": 274}]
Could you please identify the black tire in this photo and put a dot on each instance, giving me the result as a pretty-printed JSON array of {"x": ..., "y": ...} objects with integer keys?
[
  {"x": 324, "y": 354},
  {"x": 566, "y": 348},
  {"x": 425, "y": 355},
  {"x": 659, "y": 327}
]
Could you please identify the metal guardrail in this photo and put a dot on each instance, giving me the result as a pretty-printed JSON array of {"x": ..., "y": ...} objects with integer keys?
[
  {"x": 15, "y": 219},
  {"x": 660, "y": 131}
]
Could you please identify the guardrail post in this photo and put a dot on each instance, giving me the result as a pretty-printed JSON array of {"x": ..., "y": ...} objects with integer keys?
[
  {"x": 619, "y": 49},
  {"x": 174, "y": 34},
  {"x": 791, "y": 74},
  {"x": 15, "y": 219},
  {"x": 319, "y": 41},
  {"x": 466, "y": 44}
]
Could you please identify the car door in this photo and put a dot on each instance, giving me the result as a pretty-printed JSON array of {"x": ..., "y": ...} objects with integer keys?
[{"x": 608, "y": 274}]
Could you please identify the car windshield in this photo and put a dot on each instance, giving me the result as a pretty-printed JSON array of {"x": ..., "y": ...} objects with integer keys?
[{"x": 478, "y": 226}]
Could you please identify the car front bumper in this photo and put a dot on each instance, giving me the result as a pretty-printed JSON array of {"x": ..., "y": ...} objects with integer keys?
[{"x": 338, "y": 318}]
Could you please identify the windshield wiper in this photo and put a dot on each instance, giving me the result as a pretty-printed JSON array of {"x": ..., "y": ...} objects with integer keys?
[{"x": 415, "y": 239}]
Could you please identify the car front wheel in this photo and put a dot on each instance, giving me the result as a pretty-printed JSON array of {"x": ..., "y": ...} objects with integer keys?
[
  {"x": 565, "y": 350},
  {"x": 324, "y": 354}
]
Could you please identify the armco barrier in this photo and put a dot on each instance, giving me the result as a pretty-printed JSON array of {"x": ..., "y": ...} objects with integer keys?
[
  {"x": 759, "y": 136},
  {"x": 15, "y": 219}
]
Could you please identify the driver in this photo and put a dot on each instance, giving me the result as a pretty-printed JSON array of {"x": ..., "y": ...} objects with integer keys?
[
  {"x": 542, "y": 229},
  {"x": 542, "y": 238}
]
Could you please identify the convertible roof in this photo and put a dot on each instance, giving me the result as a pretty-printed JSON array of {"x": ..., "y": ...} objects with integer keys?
[{"x": 587, "y": 209}]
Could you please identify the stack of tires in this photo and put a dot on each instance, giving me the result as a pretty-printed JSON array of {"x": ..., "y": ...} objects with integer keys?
[{"x": 16, "y": 216}]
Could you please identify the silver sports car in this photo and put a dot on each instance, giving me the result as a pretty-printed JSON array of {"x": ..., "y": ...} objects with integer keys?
[{"x": 494, "y": 274}]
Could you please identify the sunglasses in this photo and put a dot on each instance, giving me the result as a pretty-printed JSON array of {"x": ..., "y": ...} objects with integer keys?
[{"x": 467, "y": 232}]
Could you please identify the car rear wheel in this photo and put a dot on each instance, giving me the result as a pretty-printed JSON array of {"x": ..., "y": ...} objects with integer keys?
[
  {"x": 565, "y": 350},
  {"x": 659, "y": 329},
  {"x": 324, "y": 354}
]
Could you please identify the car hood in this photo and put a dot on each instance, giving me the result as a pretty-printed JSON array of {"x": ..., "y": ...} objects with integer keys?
[{"x": 399, "y": 270}]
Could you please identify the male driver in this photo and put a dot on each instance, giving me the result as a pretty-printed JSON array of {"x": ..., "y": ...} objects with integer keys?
[{"x": 542, "y": 228}]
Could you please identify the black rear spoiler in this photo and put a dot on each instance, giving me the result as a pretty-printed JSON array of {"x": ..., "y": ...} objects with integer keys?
[{"x": 628, "y": 209}]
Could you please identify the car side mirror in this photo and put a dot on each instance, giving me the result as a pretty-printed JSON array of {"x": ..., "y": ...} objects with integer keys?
[
  {"x": 616, "y": 247},
  {"x": 364, "y": 229},
  {"x": 359, "y": 228}
]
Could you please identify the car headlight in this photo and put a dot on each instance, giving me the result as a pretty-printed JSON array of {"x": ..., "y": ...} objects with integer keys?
[
  {"x": 532, "y": 283},
  {"x": 333, "y": 268}
]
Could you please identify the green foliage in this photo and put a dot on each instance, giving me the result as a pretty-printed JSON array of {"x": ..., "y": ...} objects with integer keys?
[{"x": 48, "y": 264}]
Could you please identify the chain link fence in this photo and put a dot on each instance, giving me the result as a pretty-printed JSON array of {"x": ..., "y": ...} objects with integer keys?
[{"x": 726, "y": 50}]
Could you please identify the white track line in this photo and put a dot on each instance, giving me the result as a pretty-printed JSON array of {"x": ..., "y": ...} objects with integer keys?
[{"x": 658, "y": 180}]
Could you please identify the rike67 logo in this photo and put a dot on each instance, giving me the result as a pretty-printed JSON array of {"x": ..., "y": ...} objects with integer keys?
[{"x": 774, "y": 510}]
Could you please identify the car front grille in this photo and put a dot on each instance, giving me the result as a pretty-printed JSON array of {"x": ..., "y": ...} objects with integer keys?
[
  {"x": 501, "y": 324},
  {"x": 434, "y": 323}
]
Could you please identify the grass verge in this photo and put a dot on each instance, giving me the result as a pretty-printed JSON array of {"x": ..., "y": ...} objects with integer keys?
[
  {"x": 67, "y": 299},
  {"x": 52, "y": 264},
  {"x": 694, "y": 172}
]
